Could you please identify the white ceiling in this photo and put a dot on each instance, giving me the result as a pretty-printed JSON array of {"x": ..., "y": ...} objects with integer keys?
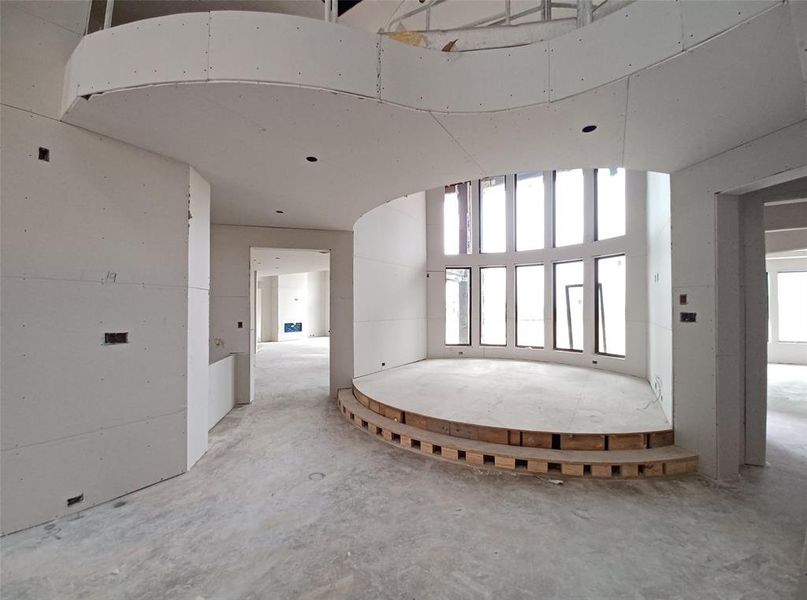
[
  {"x": 282, "y": 261},
  {"x": 288, "y": 88}
]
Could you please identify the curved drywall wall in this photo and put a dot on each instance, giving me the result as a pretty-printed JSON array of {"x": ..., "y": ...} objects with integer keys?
[{"x": 245, "y": 97}]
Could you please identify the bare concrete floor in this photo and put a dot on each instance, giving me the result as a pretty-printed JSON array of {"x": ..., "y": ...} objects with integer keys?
[
  {"x": 519, "y": 394},
  {"x": 293, "y": 502}
]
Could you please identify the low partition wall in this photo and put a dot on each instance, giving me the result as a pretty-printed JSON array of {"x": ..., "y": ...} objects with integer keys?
[
  {"x": 557, "y": 440},
  {"x": 221, "y": 390}
]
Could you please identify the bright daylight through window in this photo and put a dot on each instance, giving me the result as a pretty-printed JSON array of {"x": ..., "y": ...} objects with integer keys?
[
  {"x": 568, "y": 222},
  {"x": 610, "y": 300},
  {"x": 530, "y": 306},
  {"x": 792, "y": 306},
  {"x": 493, "y": 306},
  {"x": 492, "y": 215},
  {"x": 574, "y": 277},
  {"x": 458, "y": 306},
  {"x": 610, "y": 203}
]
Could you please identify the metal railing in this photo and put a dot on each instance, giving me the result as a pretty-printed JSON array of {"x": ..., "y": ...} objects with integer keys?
[{"x": 586, "y": 12}]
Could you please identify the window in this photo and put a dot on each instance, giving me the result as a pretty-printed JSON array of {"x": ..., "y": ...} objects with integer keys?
[
  {"x": 610, "y": 305},
  {"x": 492, "y": 215},
  {"x": 610, "y": 203},
  {"x": 458, "y": 306},
  {"x": 529, "y": 211},
  {"x": 568, "y": 213},
  {"x": 457, "y": 219},
  {"x": 792, "y": 292},
  {"x": 493, "y": 306},
  {"x": 530, "y": 306},
  {"x": 569, "y": 305}
]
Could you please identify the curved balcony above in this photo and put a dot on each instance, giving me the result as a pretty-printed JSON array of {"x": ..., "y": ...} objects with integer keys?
[{"x": 247, "y": 97}]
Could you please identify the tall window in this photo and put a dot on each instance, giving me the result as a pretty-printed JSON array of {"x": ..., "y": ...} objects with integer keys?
[
  {"x": 569, "y": 305},
  {"x": 492, "y": 215},
  {"x": 458, "y": 306},
  {"x": 529, "y": 211},
  {"x": 457, "y": 219},
  {"x": 493, "y": 306},
  {"x": 568, "y": 207},
  {"x": 792, "y": 291},
  {"x": 530, "y": 306},
  {"x": 610, "y": 203},
  {"x": 610, "y": 304}
]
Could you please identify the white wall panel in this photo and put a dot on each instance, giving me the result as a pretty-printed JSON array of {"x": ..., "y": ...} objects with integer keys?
[
  {"x": 464, "y": 81},
  {"x": 545, "y": 136},
  {"x": 704, "y": 19},
  {"x": 32, "y": 79},
  {"x": 60, "y": 380},
  {"x": 110, "y": 208},
  {"x": 198, "y": 315},
  {"x": 222, "y": 390},
  {"x": 271, "y": 47},
  {"x": 798, "y": 12},
  {"x": 389, "y": 272},
  {"x": 712, "y": 89},
  {"x": 659, "y": 290},
  {"x": 37, "y": 480},
  {"x": 67, "y": 14},
  {"x": 393, "y": 343},
  {"x": 169, "y": 49},
  {"x": 647, "y": 31}
]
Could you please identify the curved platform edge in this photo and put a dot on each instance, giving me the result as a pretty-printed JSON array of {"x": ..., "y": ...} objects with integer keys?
[
  {"x": 608, "y": 464},
  {"x": 558, "y": 440}
]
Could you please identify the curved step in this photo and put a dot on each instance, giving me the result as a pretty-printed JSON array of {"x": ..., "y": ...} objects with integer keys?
[
  {"x": 559, "y": 440},
  {"x": 648, "y": 462}
]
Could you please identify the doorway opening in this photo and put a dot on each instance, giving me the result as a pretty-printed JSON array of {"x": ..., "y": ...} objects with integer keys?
[
  {"x": 291, "y": 321},
  {"x": 786, "y": 270}
]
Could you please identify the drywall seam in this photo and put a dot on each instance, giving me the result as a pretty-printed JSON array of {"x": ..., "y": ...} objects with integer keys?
[{"x": 97, "y": 430}]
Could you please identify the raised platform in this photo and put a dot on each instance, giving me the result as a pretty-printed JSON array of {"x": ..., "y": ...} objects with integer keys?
[
  {"x": 520, "y": 403},
  {"x": 521, "y": 416}
]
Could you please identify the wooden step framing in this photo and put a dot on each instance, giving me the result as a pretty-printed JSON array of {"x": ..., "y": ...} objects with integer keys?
[
  {"x": 610, "y": 464},
  {"x": 519, "y": 437}
]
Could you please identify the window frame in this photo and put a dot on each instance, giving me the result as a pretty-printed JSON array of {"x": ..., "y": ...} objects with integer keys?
[
  {"x": 469, "y": 215},
  {"x": 554, "y": 201},
  {"x": 555, "y": 306},
  {"x": 515, "y": 303},
  {"x": 481, "y": 215},
  {"x": 597, "y": 208},
  {"x": 515, "y": 212},
  {"x": 779, "y": 339},
  {"x": 470, "y": 306},
  {"x": 481, "y": 343},
  {"x": 597, "y": 304}
]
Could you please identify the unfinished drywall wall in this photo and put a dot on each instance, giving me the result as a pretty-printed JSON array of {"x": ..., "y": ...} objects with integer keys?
[
  {"x": 221, "y": 397},
  {"x": 632, "y": 244},
  {"x": 659, "y": 290},
  {"x": 95, "y": 240},
  {"x": 389, "y": 268},
  {"x": 789, "y": 352},
  {"x": 198, "y": 315},
  {"x": 267, "y": 331},
  {"x": 231, "y": 306},
  {"x": 317, "y": 306},
  {"x": 292, "y": 305},
  {"x": 706, "y": 365}
]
